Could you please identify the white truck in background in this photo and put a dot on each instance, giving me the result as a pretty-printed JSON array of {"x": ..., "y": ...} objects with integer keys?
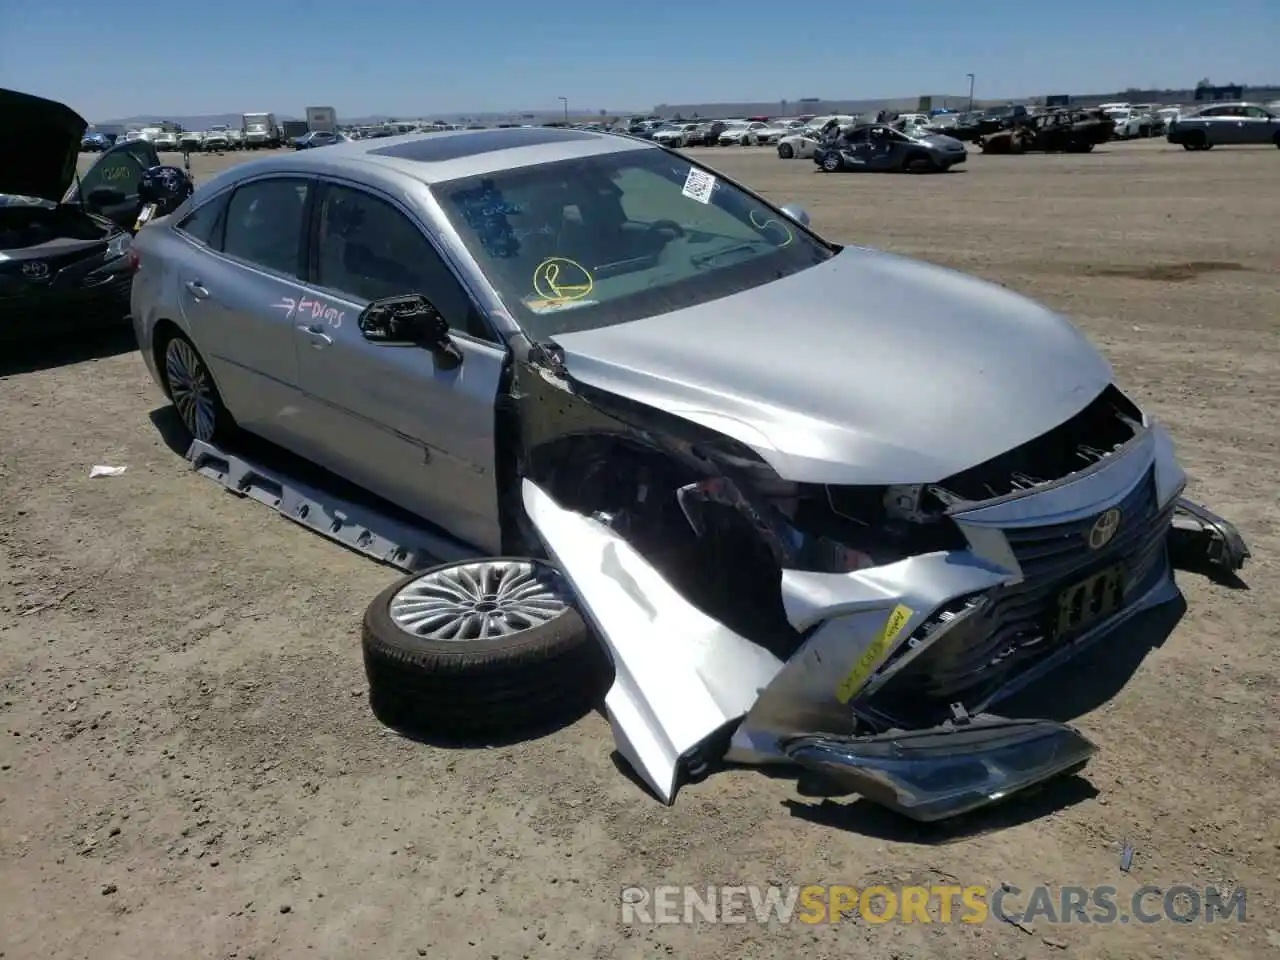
[
  {"x": 260, "y": 131},
  {"x": 322, "y": 119}
]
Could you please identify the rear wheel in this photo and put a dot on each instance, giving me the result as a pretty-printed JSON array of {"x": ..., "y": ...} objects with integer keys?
[{"x": 193, "y": 392}]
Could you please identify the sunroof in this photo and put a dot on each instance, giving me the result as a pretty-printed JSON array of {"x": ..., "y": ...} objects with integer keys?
[{"x": 451, "y": 146}]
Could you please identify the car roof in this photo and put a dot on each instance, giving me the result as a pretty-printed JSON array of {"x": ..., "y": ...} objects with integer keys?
[{"x": 441, "y": 155}]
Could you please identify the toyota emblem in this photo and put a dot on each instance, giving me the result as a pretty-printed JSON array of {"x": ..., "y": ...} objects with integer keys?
[
  {"x": 1104, "y": 529},
  {"x": 35, "y": 269}
]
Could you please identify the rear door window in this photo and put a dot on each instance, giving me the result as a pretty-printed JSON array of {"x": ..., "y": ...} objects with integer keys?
[
  {"x": 203, "y": 222},
  {"x": 264, "y": 224}
]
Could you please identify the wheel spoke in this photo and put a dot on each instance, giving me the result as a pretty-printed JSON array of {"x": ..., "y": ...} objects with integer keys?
[{"x": 479, "y": 600}]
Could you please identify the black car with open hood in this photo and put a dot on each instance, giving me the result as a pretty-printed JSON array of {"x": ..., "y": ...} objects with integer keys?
[{"x": 64, "y": 238}]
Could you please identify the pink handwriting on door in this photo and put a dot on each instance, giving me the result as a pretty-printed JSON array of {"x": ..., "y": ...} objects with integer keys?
[{"x": 316, "y": 309}]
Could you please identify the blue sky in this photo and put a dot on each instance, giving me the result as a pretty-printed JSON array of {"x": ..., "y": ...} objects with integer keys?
[{"x": 420, "y": 58}]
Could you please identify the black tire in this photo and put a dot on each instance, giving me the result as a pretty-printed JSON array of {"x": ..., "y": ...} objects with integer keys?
[
  {"x": 1197, "y": 141},
  {"x": 920, "y": 164},
  {"x": 785, "y": 151},
  {"x": 212, "y": 425},
  {"x": 501, "y": 687},
  {"x": 831, "y": 162}
]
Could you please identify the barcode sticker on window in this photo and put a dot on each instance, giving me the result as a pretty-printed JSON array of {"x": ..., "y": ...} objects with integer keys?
[{"x": 698, "y": 185}]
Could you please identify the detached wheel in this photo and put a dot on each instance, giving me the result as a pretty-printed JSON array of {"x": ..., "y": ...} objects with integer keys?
[
  {"x": 195, "y": 396},
  {"x": 785, "y": 151},
  {"x": 480, "y": 647}
]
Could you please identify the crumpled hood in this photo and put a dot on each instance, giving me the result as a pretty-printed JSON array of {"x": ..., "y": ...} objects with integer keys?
[
  {"x": 867, "y": 369},
  {"x": 40, "y": 145}
]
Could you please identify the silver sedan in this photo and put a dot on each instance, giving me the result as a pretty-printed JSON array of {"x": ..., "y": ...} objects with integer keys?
[{"x": 831, "y": 503}]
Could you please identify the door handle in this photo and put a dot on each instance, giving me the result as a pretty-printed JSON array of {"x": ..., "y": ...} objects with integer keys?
[
  {"x": 316, "y": 333},
  {"x": 197, "y": 289}
]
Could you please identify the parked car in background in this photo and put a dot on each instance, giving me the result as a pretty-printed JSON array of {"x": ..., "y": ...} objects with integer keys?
[
  {"x": 1130, "y": 123},
  {"x": 877, "y": 147},
  {"x": 772, "y": 132},
  {"x": 737, "y": 133},
  {"x": 235, "y": 138},
  {"x": 674, "y": 135},
  {"x": 165, "y": 140},
  {"x": 191, "y": 141},
  {"x": 801, "y": 144},
  {"x": 216, "y": 138},
  {"x": 318, "y": 138},
  {"x": 1225, "y": 124},
  {"x": 95, "y": 143}
]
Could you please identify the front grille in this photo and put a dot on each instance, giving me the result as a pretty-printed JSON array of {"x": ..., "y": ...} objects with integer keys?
[
  {"x": 1057, "y": 552},
  {"x": 1011, "y": 628}
]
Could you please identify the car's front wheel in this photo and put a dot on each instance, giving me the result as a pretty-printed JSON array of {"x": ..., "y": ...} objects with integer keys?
[
  {"x": 195, "y": 396},
  {"x": 489, "y": 646},
  {"x": 831, "y": 162},
  {"x": 785, "y": 151}
]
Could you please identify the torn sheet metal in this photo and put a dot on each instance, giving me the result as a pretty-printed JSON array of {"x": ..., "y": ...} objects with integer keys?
[
  {"x": 680, "y": 675},
  {"x": 855, "y": 622}
]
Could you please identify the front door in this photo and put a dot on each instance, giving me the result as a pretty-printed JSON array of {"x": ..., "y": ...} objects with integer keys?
[
  {"x": 239, "y": 291},
  {"x": 387, "y": 417}
]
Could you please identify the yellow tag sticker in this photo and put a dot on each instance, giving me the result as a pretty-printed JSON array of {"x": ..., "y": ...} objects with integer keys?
[{"x": 874, "y": 653}]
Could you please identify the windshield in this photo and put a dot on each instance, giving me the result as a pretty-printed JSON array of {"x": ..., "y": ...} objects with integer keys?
[{"x": 595, "y": 241}]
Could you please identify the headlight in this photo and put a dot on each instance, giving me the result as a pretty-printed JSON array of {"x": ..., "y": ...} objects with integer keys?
[{"x": 118, "y": 246}]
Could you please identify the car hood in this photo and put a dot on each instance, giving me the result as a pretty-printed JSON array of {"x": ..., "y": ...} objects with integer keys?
[
  {"x": 867, "y": 369},
  {"x": 40, "y": 145}
]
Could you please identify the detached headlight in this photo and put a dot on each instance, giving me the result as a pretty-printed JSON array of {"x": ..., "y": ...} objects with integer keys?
[{"x": 118, "y": 246}]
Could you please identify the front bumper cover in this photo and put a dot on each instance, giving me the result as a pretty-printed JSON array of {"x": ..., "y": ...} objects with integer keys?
[{"x": 686, "y": 683}]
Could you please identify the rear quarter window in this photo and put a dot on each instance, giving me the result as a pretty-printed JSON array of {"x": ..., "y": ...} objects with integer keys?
[{"x": 205, "y": 221}]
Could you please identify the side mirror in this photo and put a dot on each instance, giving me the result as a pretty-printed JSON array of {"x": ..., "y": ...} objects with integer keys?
[
  {"x": 410, "y": 321},
  {"x": 797, "y": 213},
  {"x": 105, "y": 197}
]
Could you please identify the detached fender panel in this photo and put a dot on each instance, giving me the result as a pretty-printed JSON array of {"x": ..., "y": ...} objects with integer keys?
[{"x": 680, "y": 676}]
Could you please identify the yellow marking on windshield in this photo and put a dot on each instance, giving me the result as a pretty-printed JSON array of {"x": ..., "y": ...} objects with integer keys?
[
  {"x": 771, "y": 222},
  {"x": 559, "y": 278}
]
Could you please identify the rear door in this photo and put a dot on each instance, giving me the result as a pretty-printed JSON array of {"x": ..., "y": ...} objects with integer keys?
[
  {"x": 1259, "y": 126},
  {"x": 386, "y": 416},
  {"x": 239, "y": 292}
]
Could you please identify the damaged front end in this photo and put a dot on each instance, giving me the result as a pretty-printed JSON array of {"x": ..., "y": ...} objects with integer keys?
[{"x": 860, "y": 633}]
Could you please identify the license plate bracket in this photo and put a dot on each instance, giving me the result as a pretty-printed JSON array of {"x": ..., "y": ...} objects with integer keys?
[{"x": 1090, "y": 600}]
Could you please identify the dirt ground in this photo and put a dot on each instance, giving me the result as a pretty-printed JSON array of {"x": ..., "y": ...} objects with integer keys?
[{"x": 189, "y": 767}]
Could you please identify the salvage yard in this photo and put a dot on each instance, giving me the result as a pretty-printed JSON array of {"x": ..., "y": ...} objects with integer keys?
[{"x": 189, "y": 766}]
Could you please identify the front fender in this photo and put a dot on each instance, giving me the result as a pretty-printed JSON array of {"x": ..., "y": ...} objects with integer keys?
[{"x": 680, "y": 676}]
